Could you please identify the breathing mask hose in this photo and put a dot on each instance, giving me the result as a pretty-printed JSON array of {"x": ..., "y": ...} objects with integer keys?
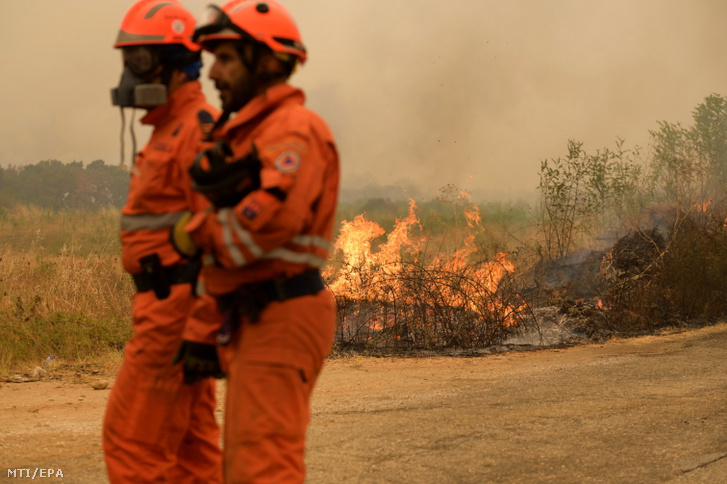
[
  {"x": 133, "y": 137},
  {"x": 123, "y": 126}
]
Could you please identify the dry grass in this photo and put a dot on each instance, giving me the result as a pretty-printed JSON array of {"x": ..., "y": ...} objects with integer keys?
[{"x": 63, "y": 291}]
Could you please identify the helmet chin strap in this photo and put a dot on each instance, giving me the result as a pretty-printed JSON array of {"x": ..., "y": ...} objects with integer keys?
[
  {"x": 226, "y": 113},
  {"x": 252, "y": 64}
]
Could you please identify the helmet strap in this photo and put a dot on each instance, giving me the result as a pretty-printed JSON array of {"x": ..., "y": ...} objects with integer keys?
[
  {"x": 226, "y": 113},
  {"x": 252, "y": 62}
]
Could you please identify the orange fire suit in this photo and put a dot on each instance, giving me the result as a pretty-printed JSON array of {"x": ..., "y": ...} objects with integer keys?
[
  {"x": 275, "y": 234},
  {"x": 156, "y": 429}
]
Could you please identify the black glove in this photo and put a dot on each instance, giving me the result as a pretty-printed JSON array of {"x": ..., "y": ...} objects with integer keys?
[
  {"x": 221, "y": 178},
  {"x": 199, "y": 361}
]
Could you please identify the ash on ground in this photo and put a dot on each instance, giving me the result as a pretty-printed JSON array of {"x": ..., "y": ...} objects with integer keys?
[
  {"x": 566, "y": 324},
  {"x": 571, "y": 296}
]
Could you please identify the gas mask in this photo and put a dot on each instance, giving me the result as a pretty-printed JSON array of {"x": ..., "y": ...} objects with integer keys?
[{"x": 135, "y": 88}]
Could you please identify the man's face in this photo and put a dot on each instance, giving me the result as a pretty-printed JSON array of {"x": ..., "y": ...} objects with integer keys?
[{"x": 232, "y": 79}]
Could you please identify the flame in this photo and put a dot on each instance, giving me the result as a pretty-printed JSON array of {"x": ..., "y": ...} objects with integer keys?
[
  {"x": 703, "y": 206},
  {"x": 599, "y": 303},
  {"x": 355, "y": 240},
  {"x": 360, "y": 263},
  {"x": 370, "y": 275}
]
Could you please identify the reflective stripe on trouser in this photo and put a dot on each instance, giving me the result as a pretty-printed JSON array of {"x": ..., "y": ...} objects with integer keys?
[
  {"x": 272, "y": 368},
  {"x": 156, "y": 429}
]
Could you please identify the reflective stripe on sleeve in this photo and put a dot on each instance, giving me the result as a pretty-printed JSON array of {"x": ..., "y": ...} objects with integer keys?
[
  {"x": 246, "y": 238},
  {"x": 200, "y": 288},
  {"x": 149, "y": 221},
  {"x": 312, "y": 241},
  {"x": 231, "y": 226},
  {"x": 295, "y": 257},
  {"x": 225, "y": 217}
]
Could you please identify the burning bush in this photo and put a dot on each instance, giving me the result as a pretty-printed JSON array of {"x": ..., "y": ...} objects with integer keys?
[
  {"x": 671, "y": 267},
  {"x": 405, "y": 295},
  {"x": 683, "y": 278},
  {"x": 648, "y": 278}
]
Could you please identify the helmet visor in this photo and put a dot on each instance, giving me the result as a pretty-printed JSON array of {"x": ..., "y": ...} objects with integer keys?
[
  {"x": 214, "y": 21},
  {"x": 140, "y": 59}
]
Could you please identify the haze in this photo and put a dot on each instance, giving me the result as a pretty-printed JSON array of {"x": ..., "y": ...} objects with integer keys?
[{"x": 423, "y": 93}]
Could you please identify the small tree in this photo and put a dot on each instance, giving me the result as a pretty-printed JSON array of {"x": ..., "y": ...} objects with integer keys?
[
  {"x": 583, "y": 192},
  {"x": 709, "y": 137},
  {"x": 689, "y": 165}
]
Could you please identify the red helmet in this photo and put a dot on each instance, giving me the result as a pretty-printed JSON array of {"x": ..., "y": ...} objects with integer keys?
[
  {"x": 267, "y": 22},
  {"x": 157, "y": 22}
]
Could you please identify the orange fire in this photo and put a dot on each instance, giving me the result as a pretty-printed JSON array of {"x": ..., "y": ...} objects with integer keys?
[
  {"x": 365, "y": 274},
  {"x": 703, "y": 206},
  {"x": 363, "y": 269},
  {"x": 599, "y": 303}
]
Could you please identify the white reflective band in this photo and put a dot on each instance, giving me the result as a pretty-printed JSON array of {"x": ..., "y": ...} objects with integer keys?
[
  {"x": 230, "y": 225},
  {"x": 149, "y": 221},
  {"x": 225, "y": 217},
  {"x": 312, "y": 241},
  {"x": 246, "y": 238},
  {"x": 295, "y": 257},
  {"x": 200, "y": 289}
]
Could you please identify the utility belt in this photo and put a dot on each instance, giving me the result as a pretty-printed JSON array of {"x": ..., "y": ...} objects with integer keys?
[
  {"x": 250, "y": 299},
  {"x": 157, "y": 278}
]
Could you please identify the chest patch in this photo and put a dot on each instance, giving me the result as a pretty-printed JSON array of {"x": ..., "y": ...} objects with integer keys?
[{"x": 287, "y": 161}]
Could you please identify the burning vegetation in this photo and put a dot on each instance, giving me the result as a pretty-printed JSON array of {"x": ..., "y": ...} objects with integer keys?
[
  {"x": 620, "y": 243},
  {"x": 410, "y": 292}
]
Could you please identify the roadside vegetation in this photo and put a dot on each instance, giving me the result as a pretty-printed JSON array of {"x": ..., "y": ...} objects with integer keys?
[
  {"x": 650, "y": 228},
  {"x": 62, "y": 289},
  {"x": 628, "y": 239}
]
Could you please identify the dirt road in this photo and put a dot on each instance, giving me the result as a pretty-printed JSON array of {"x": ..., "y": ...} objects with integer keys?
[{"x": 646, "y": 410}]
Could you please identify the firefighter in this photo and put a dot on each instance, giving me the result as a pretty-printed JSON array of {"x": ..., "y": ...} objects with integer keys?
[
  {"x": 272, "y": 177},
  {"x": 156, "y": 429}
]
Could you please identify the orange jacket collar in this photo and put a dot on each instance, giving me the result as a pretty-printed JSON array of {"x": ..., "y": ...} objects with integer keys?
[
  {"x": 187, "y": 93},
  {"x": 270, "y": 99}
]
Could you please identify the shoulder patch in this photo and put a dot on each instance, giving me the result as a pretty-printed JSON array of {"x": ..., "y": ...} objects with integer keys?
[{"x": 287, "y": 161}]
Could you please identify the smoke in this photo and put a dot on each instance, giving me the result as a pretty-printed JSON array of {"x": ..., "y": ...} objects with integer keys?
[
  {"x": 478, "y": 93},
  {"x": 423, "y": 93}
]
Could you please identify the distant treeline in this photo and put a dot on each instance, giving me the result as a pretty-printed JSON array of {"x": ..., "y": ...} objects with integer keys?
[{"x": 57, "y": 186}]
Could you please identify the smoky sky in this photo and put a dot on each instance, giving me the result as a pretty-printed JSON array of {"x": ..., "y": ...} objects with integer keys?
[{"x": 474, "y": 92}]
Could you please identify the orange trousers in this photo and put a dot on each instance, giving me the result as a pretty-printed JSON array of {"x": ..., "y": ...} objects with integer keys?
[
  {"x": 156, "y": 429},
  {"x": 272, "y": 366}
]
